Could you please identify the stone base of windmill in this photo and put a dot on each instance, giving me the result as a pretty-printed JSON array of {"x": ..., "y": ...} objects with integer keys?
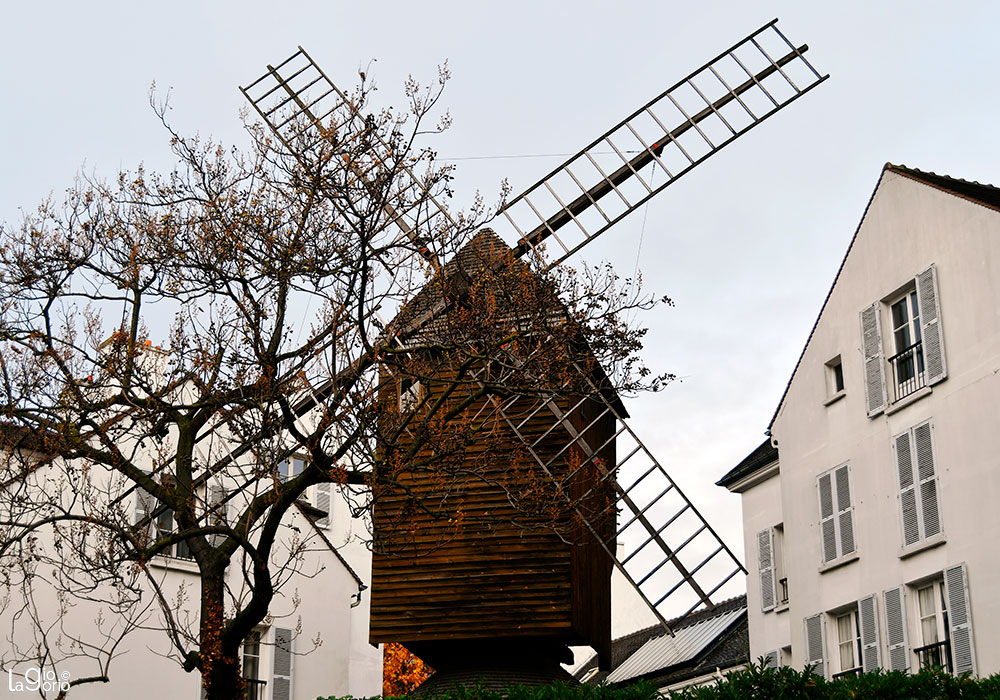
[{"x": 493, "y": 664}]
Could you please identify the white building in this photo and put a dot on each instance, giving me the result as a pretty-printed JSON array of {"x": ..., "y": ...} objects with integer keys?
[
  {"x": 314, "y": 642},
  {"x": 870, "y": 513}
]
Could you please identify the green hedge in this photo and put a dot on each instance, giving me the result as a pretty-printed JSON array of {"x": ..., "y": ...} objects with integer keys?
[{"x": 758, "y": 682}]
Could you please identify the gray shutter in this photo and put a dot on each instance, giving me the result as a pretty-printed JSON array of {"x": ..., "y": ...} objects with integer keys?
[
  {"x": 773, "y": 659},
  {"x": 895, "y": 629},
  {"x": 323, "y": 492},
  {"x": 765, "y": 560},
  {"x": 816, "y": 643},
  {"x": 871, "y": 345},
  {"x": 907, "y": 490},
  {"x": 963, "y": 652},
  {"x": 827, "y": 526},
  {"x": 845, "y": 510},
  {"x": 930, "y": 326},
  {"x": 868, "y": 621},
  {"x": 930, "y": 514},
  {"x": 281, "y": 675}
]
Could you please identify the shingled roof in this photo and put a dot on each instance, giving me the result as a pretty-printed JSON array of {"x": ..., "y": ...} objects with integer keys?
[
  {"x": 424, "y": 318},
  {"x": 762, "y": 456}
]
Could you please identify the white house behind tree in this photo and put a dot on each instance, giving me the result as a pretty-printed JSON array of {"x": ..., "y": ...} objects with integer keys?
[
  {"x": 313, "y": 643},
  {"x": 871, "y": 512}
]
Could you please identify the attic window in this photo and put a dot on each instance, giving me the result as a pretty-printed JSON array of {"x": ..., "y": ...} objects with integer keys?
[
  {"x": 834, "y": 379},
  {"x": 410, "y": 393}
]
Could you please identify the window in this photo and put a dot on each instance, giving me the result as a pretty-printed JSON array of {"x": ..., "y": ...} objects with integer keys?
[
  {"x": 913, "y": 351},
  {"x": 920, "y": 514},
  {"x": 160, "y": 526},
  {"x": 321, "y": 493},
  {"x": 907, "y": 361},
  {"x": 933, "y": 621},
  {"x": 942, "y": 623},
  {"x": 836, "y": 514},
  {"x": 834, "y": 377},
  {"x": 779, "y": 564},
  {"x": 165, "y": 526},
  {"x": 854, "y": 639},
  {"x": 410, "y": 393},
  {"x": 848, "y": 643},
  {"x": 291, "y": 467},
  {"x": 251, "y": 666}
]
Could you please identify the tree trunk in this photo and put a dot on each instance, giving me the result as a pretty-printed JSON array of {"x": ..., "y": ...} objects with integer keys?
[{"x": 220, "y": 666}]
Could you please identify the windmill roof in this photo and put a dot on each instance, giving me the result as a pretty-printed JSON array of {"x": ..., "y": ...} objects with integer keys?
[
  {"x": 969, "y": 190},
  {"x": 423, "y": 318},
  {"x": 423, "y": 313}
]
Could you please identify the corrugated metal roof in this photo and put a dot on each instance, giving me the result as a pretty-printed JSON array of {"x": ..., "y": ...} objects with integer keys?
[{"x": 666, "y": 651}]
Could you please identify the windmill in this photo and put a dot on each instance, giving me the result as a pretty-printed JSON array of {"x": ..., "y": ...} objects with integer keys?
[{"x": 673, "y": 553}]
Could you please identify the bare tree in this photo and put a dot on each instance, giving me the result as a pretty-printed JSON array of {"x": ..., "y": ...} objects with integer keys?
[{"x": 166, "y": 341}]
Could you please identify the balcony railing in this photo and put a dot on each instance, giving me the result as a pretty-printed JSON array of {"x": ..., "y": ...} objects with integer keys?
[
  {"x": 782, "y": 591},
  {"x": 934, "y": 656},
  {"x": 848, "y": 672},
  {"x": 907, "y": 370},
  {"x": 255, "y": 689}
]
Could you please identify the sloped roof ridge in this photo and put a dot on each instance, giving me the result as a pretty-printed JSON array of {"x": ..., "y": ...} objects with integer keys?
[
  {"x": 947, "y": 183},
  {"x": 979, "y": 192}
]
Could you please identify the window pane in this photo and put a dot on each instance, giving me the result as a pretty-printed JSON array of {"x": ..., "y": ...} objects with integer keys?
[
  {"x": 928, "y": 615},
  {"x": 251, "y": 656},
  {"x": 846, "y": 635},
  {"x": 902, "y": 338},
  {"x": 899, "y": 315}
]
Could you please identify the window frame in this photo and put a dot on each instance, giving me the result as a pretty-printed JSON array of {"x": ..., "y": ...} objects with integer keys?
[
  {"x": 853, "y": 642},
  {"x": 410, "y": 393},
  {"x": 923, "y": 327}
]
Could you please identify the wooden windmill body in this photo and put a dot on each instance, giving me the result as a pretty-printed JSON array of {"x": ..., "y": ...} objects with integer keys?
[
  {"x": 470, "y": 575},
  {"x": 496, "y": 554}
]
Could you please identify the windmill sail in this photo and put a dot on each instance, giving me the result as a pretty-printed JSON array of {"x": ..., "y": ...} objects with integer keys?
[
  {"x": 659, "y": 142},
  {"x": 310, "y": 115}
]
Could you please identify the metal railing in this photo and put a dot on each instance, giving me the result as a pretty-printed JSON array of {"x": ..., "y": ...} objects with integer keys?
[
  {"x": 782, "y": 591},
  {"x": 934, "y": 656},
  {"x": 849, "y": 672},
  {"x": 255, "y": 689},
  {"x": 907, "y": 370}
]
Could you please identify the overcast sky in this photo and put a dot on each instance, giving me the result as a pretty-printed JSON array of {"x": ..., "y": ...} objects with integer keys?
[{"x": 746, "y": 245}]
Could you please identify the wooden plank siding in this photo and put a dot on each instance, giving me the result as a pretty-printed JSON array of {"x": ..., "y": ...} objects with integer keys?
[{"x": 481, "y": 544}]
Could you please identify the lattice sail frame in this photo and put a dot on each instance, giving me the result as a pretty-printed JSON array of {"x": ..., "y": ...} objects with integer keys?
[
  {"x": 715, "y": 104},
  {"x": 307, "y": 113},
  {"x": 603, "y": 183}
]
